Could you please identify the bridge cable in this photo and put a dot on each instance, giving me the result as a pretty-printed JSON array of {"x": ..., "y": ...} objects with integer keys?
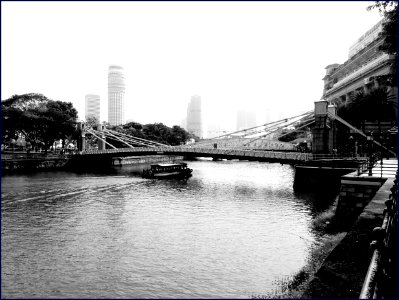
[
  {"x": 134, "y": 142},
  {"x": 273, "y": 131},
  {"x": 296, "y": 129},
  {"x": 91, "y": 131},
  {"x": 136, "y": 138},
  {"x": 336, "y": 117},
  {"x": 285, "y": 125},
  {"x": 117, "y": 138},
  {"x": 266, "y": 124}
]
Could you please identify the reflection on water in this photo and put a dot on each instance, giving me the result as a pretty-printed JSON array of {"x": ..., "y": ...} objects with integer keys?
[{"x": 232, "y": 230}]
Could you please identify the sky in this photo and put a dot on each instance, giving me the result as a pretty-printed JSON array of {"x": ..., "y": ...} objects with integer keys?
[{"x": 267, "y": 57}]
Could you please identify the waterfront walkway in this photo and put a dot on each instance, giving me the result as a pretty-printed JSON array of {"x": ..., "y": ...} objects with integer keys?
[{"x": 343, "y": 272}]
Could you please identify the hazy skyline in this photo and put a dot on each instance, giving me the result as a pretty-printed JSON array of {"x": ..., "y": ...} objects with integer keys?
[{"x": 263, "y": 56}]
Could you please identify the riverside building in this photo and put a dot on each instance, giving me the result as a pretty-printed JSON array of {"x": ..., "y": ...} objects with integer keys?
[
  {"x": 359, "y": 72},
  {"x": 92, "y": 106},
  {"x": 116, "y": 95}
]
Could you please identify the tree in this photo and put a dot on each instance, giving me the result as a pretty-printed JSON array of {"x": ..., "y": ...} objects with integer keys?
[
  {"x": 179, "y": 136},
  {"x": 92, "y": 121},
  {"x": 377, "y": 105},
  {"x": 156, "y": 132},
  {"x": 19, "y": 117},
  {"x": 38, "y": 118}
]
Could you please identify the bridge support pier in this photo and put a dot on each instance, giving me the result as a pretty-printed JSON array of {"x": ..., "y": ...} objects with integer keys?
[
  {"x": 323, "y": 131},
  {"x": 82, "y": 137},
  {"x": 101, "y": 143}
]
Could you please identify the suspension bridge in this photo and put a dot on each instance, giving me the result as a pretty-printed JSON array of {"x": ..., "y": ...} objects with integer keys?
[{"x": 260, "y": 143}]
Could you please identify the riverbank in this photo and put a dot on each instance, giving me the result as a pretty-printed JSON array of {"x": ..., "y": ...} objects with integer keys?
[
  {"x": 294, "y": 287},
  {"x": 339, "y": 267},
  {"x": 29, "y": 162},
  {"x": 24, "y": 162}
]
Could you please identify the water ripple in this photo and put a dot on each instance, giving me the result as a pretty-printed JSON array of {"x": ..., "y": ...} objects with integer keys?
[{"x": 233, "y": 230}]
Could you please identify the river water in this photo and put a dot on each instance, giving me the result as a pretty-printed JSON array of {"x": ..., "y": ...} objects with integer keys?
[{"x": 233, "y": 230}]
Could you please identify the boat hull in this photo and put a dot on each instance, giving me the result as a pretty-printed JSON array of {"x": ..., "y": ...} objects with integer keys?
[{"x": 170, "y": 175}]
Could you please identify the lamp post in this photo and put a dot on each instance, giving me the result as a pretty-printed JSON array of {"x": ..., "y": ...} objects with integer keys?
[
  {"x": 352, "y": 146},
  {"x": 370, "y": 144}
]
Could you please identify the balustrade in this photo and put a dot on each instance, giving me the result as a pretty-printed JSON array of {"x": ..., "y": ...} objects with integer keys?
[{"x": 380, "y": 280}]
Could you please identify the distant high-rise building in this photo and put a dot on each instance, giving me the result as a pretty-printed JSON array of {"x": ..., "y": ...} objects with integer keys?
[
  {"x": 92, "y": 106},
  {"x": 245, "y": 119},
  {"x": 194, "y": 116},
  {"x": 116, "y": 95}
]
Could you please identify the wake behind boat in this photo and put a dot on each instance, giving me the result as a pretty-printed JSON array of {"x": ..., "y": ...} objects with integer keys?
[{"x": 163, "y": 171}]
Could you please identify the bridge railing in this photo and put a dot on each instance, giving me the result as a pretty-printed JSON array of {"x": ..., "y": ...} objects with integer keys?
[
  {"x": 34, "y": 155},
  {"x": 227, "y": 153},
  {"x": 380, "y": 281}
]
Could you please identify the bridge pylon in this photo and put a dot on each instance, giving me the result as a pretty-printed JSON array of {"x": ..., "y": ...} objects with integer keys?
[
  {"x": 324, "y": 130},
  {"x": 100, "y": 142},
  {"x": 82, "y": 136}
]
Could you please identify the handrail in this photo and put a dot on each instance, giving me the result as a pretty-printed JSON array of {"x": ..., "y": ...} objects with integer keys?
[{"x": 378, "y": 273}]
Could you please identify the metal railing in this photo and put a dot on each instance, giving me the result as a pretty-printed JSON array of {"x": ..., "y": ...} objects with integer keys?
[
  {"x": 380, "y": 281},
  {"x": 34, "y": 155}
]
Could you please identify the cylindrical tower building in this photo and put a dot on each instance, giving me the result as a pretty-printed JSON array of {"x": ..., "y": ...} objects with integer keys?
[
  {"x": 116, "y": 95},
  {"x": 92, "y": 106}
]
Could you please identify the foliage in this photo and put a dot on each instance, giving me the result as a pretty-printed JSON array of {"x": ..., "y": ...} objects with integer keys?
[
  {"x": 92, "y": 121},
  {"x": 156, "y": 132},
  {"x": 388, "y": 9},
  {"x": 39, "y": 119},
  {"x": 91, "y": 141},
  {"x": 378, "y": 104}
]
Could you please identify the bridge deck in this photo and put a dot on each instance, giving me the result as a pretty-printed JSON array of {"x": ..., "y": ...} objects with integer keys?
[{"x": 206, "y": 152}]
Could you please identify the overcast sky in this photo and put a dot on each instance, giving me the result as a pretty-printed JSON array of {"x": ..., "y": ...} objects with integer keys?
[{"x": 263, "y": 56}]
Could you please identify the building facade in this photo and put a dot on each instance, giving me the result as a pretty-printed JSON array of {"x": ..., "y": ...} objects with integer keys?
[
  {"x": 116, "y": 95},
  {"x": 92, "y": 106},
  {"x": 365, "y": 62},
  {"x": 194, "y": 116}
]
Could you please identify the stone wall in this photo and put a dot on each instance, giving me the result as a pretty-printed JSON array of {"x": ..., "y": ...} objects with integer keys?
[
  {"x": 13, "y": 165},
  {"x": 318, "y": 178},
  {"x": 355, "y": 193}
]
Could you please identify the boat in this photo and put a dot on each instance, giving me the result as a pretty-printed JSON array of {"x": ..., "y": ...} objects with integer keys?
[{"x": 163, "y": 171}]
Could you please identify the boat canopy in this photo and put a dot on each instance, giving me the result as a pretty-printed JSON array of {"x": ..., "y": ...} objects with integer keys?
[{"x": 168, "y": 165}]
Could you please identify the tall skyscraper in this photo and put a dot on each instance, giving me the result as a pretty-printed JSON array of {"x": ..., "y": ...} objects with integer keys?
[
  {"x": 116, "y": 95},
  {"x": 245, "y": 119},
  {"x": 92, "y": 106},
  {"x": 194, "y": 116}
]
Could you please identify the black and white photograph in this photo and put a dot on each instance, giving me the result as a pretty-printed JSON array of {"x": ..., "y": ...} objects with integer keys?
[{"x": 199, "y": 149}]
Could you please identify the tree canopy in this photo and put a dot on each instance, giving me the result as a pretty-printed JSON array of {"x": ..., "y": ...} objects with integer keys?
[
  {"x": 157, "y": 132},
  {"x": 39, "y": 119},
  {"x": 378, "y": 104}
]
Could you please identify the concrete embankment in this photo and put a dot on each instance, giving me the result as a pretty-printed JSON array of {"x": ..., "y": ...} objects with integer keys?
[
  {"x": 31, "y": 163},
  {"x": 25, "y": 163},
  {"x": 322, "y": 175},
  {"x": 344, "y": 270}
]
